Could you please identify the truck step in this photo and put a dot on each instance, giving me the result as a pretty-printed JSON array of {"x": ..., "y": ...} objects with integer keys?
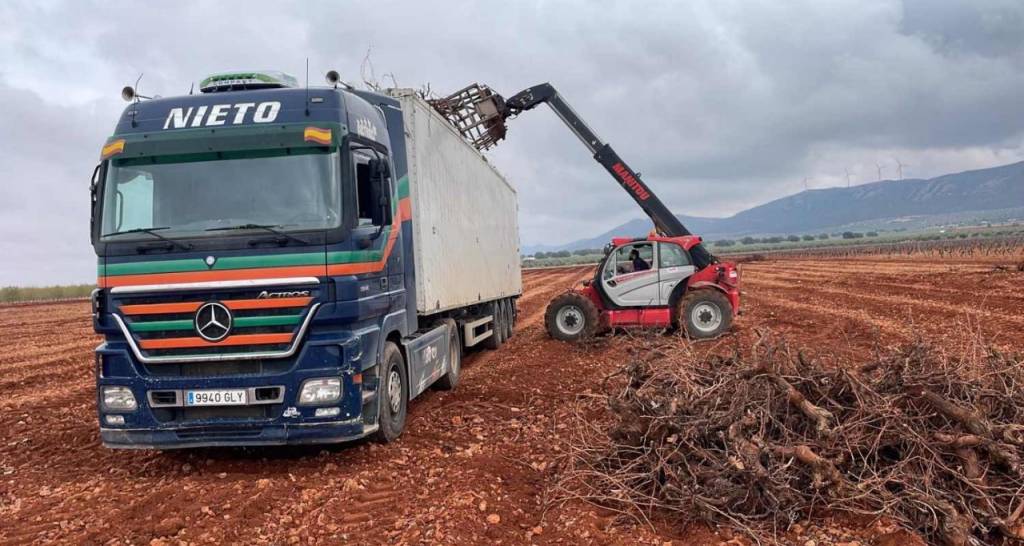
[{"x": 469, "y": 329}]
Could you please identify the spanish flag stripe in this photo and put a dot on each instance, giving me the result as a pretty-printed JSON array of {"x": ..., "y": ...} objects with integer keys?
[
  {"x": 112, "y": 148},
  {"x": 318, "y": 135}
]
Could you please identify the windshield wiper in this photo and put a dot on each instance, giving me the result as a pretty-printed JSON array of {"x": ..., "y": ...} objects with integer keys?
[
  {"x": 153, "y": 231},
  {"x": 272, "y": 228}
]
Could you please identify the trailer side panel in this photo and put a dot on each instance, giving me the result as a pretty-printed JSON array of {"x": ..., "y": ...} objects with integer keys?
[{"x": 464, "y": 214}]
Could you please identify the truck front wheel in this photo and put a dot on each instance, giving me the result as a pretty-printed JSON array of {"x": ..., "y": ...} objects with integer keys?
[
  {"x": 704, "y": 313},
  {"x": 392, "y": 395},
  {"x": 572, "y": 317}
]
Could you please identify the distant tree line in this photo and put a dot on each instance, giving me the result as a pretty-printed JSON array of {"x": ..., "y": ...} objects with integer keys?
[
  {"x": 9, "y": 294},
  {"x": 567, "y": 253},
  {"x": 776, "y": 239}
]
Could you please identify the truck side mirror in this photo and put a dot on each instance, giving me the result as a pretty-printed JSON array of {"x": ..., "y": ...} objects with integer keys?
[
  {"x": 94, "y": 185},
  {"x": 379, "y": 175}
]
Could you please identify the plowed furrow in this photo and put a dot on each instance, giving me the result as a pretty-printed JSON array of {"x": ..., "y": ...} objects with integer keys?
[{"x": 896, "y": 306}]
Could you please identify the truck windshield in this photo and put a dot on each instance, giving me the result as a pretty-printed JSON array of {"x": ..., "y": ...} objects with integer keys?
[{"x": 186, "y": 196}]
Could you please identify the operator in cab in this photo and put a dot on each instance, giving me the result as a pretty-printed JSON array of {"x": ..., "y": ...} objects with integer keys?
[{"x": 639, "y": 264}]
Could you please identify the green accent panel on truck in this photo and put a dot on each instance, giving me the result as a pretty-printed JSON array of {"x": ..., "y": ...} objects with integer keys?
[
  {"x": 248, "y": 262},
  {"x": 197, "y": 264},
  {"x": 360, "y": 256},
  {"x": 354, "y": 256},
  {"x": 240, "y": 322},
  {"x": 277, "y": 320},
  {"x": 161, "y": 325},
  {"x": 403, "y": 187}
]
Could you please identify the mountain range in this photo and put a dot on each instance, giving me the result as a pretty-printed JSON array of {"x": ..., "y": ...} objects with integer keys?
[{"x": 995, "y": 194}]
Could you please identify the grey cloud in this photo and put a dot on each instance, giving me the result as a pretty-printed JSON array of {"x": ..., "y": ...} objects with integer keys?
[{"x": 721, "y": 104}]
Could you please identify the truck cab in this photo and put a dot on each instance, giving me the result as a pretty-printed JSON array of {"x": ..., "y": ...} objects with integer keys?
[{"x": 255, "y": 270}]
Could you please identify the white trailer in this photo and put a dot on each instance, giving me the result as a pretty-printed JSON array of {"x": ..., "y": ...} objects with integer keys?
[{"x": 464, "y": 216}]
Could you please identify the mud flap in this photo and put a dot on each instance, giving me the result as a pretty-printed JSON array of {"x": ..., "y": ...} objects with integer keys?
[{"x": 427, "y": 357}]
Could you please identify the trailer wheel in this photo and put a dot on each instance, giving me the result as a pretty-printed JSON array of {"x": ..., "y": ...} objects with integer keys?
[
  {"x": 449, "y": 380},
  {"x": 497, "y": 337},
  {"x": 704, "y": 313},
  {"x": 572, "y": 317},
  {"x": 510, "y": 319},
  {"x": 392, "y": 395}
]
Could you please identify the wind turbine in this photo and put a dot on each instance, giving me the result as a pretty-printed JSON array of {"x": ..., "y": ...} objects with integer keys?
[
  {"x": 805, "y": 183},
  {"x": 847, "y": 177},
  {"x": 899, "y": 168},
  {"x": 879, "y": 167}
]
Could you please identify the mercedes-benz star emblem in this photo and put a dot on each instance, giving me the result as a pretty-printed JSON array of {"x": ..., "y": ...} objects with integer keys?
[
  {"x": 210, "y": 260},
  {"x": 213, "y": 321}
]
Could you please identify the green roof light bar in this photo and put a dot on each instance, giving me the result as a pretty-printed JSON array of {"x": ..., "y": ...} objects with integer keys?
[{"x": 257, "y": 79}]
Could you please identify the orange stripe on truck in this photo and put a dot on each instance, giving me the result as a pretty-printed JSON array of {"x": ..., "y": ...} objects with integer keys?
[
  {"x": 366, "y": 267},
  {"x": 272, "y": 303},
  {"x": 189, "y": 342},
  {"x": 404, "y": 210},
  {"x": 192, "y": 306},
  {"x": 160, "y": 308}
]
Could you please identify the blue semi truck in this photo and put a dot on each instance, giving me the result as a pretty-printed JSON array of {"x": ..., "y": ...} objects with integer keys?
[{"x": 290, "y": 265}]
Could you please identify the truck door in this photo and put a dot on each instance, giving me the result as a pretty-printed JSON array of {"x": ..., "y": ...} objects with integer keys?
[
  {"x": 674, "y": 266},
  {"x": 629, "y": 286}
]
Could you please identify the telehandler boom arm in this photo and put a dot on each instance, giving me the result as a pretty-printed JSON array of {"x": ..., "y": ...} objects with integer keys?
[{"x": 664, "y": 221}]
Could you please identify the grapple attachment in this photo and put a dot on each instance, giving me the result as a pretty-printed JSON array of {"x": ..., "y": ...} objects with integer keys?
[{"x": 477, "y": 112}]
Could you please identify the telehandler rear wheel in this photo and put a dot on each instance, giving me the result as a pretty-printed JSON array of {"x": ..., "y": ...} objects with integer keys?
[
  {"x": 704, "y": 313},
  {"x": 572, "y": 317}
]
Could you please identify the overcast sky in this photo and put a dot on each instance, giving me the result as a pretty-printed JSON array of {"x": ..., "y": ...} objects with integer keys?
[{"x": 721, "y": 105}]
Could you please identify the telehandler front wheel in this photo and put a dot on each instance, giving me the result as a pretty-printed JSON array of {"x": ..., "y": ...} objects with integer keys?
[
  {"x": 572, "y": 317},
  {"x": 704, "y": 313}
]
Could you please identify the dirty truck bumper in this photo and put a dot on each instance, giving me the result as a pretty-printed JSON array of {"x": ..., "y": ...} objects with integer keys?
[{"x": 212, "y": 436}]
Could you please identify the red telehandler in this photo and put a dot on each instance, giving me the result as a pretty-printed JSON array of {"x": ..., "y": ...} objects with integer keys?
[{"x": 665, "y": 280}]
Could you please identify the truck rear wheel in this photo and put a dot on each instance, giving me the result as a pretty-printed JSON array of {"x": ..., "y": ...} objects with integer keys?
[
  {"x": 572, "y": 317},
  {"x": 510, "y": 318},
  {"x": 450, "y": 379},
  {"x": 704, "y": 313},
  {"x": 392, "y": 395},
  {"x": 497, "y": 337}
]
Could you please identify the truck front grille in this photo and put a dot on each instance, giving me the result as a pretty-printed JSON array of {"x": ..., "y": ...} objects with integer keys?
[{"x": 164, "y": 326}]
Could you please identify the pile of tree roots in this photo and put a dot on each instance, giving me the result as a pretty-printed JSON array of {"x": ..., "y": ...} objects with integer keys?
[{"x": 767, "y": 437}]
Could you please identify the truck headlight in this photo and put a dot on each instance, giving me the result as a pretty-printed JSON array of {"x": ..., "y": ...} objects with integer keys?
[
  {"x": 316, "y": 392},
  {"x": 119, "y": 399}
]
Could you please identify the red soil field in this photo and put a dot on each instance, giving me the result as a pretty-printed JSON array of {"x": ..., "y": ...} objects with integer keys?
[{"x": 476, "y": 465}]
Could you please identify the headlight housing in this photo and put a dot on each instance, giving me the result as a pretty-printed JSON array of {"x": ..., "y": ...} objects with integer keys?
[
  {"x": 321, "y": 391},
  {"x": 119, "y": 399}
]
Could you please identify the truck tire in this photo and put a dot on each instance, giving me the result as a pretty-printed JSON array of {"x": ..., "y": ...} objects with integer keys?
[
  {"x": 572, "y": 317},
  {"x": 704, "y": 313},
  {"x": 392, "y": 395},
  {"x": 510, "y": 318},
  {"x": 450, "y": 379},
  {"x": 497, "y": 337}
]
